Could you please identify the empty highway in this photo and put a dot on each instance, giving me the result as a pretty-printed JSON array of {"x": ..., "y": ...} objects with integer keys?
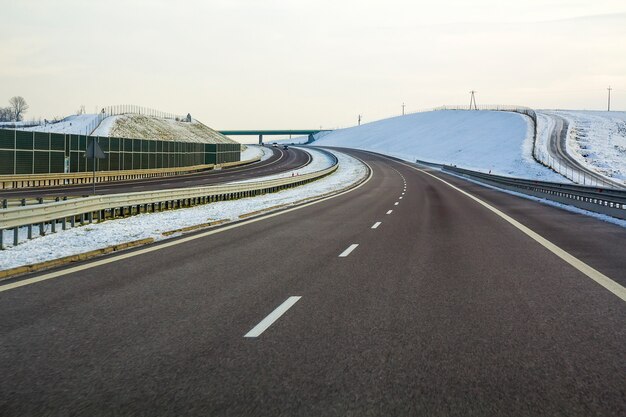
[{"x": 406, "y": 296}]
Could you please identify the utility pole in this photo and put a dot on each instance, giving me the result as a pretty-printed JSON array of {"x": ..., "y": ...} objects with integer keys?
[
  {"x": 359, "y": 120},
  {"x": 609, "y": 104},
  {"x": 473, "y": 100},
  {"x": 403, "y": 109}
]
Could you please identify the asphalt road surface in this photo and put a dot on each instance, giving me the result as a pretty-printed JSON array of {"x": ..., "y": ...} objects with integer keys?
[
  {"x": 281, "y": 161},
  {"x": 403, "y": 297}
]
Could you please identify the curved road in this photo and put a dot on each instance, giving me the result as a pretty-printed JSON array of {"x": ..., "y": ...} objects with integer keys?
[
  {"x": 558, "y": 150},
  {"x": 281, "y": 161},
  {"x": 443, "y": 308}
]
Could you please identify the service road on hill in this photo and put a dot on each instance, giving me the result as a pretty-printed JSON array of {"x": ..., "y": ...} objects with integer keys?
[{"x": 443, "y": 308}]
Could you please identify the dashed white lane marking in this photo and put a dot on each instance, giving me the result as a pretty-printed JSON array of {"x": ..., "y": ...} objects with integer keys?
[
  {"x": 402, "y": 193},
  {"x": 590, "y": 272},
  {"x": 349, "y": 250},
  {"x": 272, "y": 317},
  {"x": 400, "y": 198},
  {"x": 375, "y": 226},
  {"x": 71, "y": 270},
  {"x": 396, "y": 203},
  {"x": 390, "y": 211}
]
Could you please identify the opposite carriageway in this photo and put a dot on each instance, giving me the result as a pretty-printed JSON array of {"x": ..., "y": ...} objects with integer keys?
[{"x": 280, "y": 161}]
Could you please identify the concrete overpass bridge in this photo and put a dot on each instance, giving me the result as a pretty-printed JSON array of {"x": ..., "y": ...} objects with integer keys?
[{"x": 261, "y": 133}]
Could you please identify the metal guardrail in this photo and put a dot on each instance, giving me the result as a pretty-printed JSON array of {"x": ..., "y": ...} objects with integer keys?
[
  {"x": 608, "y": 201},
  {"x": 99, "y": 208},
  {"x": 8, "y": 182}
]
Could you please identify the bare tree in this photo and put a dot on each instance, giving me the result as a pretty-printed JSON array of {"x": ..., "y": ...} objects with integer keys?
[
  {"x": 18, "y": 106},
  {"x": 6, "y": 114}
]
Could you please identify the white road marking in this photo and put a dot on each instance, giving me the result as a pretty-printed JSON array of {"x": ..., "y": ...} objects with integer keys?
[
  {"x": 52, "y": 275},
  {"x": 376, "y": 225},
  {"x": 396, "y": 203},
  {"x": 402, "y": 193},
  {"x": 390, "y": 211},
  {"x": 272, "y": 317},
  {"x": 349, "y": 250},
  {"x": 590, "y": 272},
  {"x": 400, "y": 198}
]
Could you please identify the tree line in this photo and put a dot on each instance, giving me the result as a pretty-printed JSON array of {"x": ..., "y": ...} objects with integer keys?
[{"x": 15, "y": 111}]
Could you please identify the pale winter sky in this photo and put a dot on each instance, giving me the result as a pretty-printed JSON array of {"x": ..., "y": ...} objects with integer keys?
[{"x": 305, "y": 64}]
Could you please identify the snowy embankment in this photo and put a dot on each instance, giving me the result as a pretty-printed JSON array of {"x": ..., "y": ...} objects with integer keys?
[
  {"x": 496, "y": 141},
  {"x": 71, "y": 125},
  {"x": 255, "y": 151},
  {"x": 597, "y": 139},
  {"x": 152, "y": 225}
]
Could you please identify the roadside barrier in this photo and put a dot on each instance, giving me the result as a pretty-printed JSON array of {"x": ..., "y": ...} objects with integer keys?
[
  {"x": 100, "y": 208},
  {"x": 608, "y": 201},
  {"x": 50, "y": 180}
]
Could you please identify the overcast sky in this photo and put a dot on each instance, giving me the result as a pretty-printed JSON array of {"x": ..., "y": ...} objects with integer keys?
[{"x": 304, "y": 64}]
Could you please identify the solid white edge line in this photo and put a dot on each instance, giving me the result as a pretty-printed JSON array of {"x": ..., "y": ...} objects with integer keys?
[
  {"x": 590, "y": 272},
  {"x": 349, "y": 250},
  {"x": 272, "y": 317},
  {"x": 390, "y": 211},
  {"x": 375, "y": 226},
  {"x": 167, "y": 244}
]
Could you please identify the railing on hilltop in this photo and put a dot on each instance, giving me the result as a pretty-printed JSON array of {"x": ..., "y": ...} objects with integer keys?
[{"x": 120, "y": 109}]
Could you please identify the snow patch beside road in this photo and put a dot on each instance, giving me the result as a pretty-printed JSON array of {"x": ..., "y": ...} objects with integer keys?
[{"x": 100, "y": 235}]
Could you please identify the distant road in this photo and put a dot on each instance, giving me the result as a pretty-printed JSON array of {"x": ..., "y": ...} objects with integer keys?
[
  {"x": 281, "y": 161},
  {"x": 403, "y": 297},
  {"x": 558, "y": 150}
]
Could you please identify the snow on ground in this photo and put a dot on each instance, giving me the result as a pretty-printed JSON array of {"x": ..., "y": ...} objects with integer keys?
[
  {"x": 80, "y": 124},
  {"x": 319, "y": 162},
  {"x": 599, "y": 216},
  {"x": 500, "y": 142},
  {"x": 105, "y": 126},
  {"x": 254, "y": 151},
  {"x": 597, "y": 139},
  {"x": 100, "y": 235},
  {"x": 147, "y": 127}
]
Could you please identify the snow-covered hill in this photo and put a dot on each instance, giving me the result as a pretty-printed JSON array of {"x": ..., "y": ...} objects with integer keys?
[
  {"x": 80, "y": 124},
  {"x": 147, "y": 127},
  {"x": 500, "y": 142},
  {"x": 134, "y": 126}
]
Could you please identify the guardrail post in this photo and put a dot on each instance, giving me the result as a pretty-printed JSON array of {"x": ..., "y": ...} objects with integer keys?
[
  {"x": 5, "y": 203},
  {"x": 30, "y": 231},
  {"x": 16, "y": 236},
  {"x": 53, "y": 226},
  {"x": 1, "y": 239},
  {"x": 41, "y": 229}
]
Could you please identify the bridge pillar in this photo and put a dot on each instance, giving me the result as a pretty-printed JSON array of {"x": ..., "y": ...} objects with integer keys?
[{"x": 260, "y": 139}]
